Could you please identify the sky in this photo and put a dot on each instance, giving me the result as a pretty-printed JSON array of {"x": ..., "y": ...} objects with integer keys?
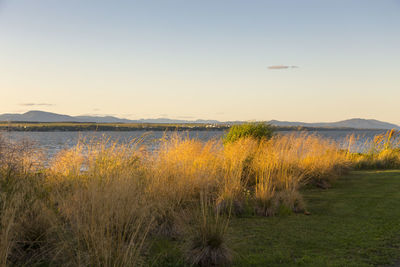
[{"x": 309, "y": 60}]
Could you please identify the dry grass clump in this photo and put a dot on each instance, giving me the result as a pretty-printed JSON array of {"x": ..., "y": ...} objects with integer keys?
[
  {"x": 175, "y": 175},
  {"x": 236, "y": 172},
  {"x": 103, "y": 214},
  {"x": 19, "y": 157},
  {"x": 207, "y": 244},
  {"x": 21, "y": 196},
  {"x": 103, "y": 223},
  {"x": 382, "y": 153},
  {"x": 96, "y": 157},
  {"x": 182, "y": 168},
  {"x": 278, "y": 167},
  {"x": 318, "y": 160},
  {"x": 86, "y": 209},
  {"x": 274, "y": 173}
]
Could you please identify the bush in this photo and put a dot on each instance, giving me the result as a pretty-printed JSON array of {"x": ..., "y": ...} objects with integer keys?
[{"x": 256, "y": 130}]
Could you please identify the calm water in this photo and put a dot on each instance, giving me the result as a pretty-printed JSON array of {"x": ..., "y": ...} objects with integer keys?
[{"x": 52, "y": 142}]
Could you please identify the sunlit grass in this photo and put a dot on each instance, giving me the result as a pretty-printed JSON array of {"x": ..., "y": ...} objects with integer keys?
[
  {"x": 381, "y": 153},
  {"x": 101, "y": 203}
]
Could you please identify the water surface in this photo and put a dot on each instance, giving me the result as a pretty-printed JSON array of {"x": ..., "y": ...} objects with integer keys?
[{"x": 52, "y": 142}]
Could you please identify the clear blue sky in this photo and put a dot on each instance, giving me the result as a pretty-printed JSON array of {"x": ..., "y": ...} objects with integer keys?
[{"x": 202, "y": 59}]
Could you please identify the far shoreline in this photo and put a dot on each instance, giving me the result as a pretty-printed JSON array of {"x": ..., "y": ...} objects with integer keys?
[{"x": 125, "y": 127}]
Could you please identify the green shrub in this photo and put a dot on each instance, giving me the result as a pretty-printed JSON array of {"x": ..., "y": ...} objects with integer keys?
[{"x": 257, "y": 130}]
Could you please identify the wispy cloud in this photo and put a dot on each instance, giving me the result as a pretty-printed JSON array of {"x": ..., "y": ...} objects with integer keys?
[
  {"x": 282, "y": 67},
  {"x": 35, "y": 104}
]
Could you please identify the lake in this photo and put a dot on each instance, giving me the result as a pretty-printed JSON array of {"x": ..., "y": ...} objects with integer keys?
[{"x": 52, "y": 142}]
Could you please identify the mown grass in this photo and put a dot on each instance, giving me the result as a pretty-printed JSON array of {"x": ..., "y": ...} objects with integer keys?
[{"x": 355, "y": 223}]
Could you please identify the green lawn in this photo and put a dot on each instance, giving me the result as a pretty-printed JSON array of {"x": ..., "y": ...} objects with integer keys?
[{"x": 355, "y": 223}]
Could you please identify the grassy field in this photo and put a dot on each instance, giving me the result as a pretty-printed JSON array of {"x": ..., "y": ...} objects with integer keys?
[
  {"x": 245, "y": 202},
  {"x": 355, "y": 223}
]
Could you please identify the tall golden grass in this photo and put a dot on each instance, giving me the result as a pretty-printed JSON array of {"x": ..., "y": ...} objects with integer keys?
[
  {"x": 101, "y": 203},
  {"x": 383, "y": 152}
]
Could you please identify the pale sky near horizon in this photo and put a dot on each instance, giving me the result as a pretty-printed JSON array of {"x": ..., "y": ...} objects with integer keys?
[{"x": 202, "y": 59}]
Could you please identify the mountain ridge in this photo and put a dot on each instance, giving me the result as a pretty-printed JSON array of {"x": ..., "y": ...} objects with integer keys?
[{"x": 43, "y": 116}]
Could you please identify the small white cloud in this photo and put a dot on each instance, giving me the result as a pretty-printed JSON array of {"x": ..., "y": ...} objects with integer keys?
[{"x": 282, "y": 67}]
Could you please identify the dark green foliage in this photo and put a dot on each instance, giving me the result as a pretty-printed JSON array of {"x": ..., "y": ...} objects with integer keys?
[{"x": 257, "y": 130}]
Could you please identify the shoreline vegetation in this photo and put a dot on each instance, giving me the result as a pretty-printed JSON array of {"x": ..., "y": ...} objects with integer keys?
[
  {"x": 101, "y": 203},
  {"x": 82, "y": 126}
]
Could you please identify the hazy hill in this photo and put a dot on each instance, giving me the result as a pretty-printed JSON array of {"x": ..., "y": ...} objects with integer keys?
[
  {"x": 98, "y": 119},
  {"x": 42, "y": 116},
  {"x": 37, "y": 116},
  {"x": 351, "y": 123}
]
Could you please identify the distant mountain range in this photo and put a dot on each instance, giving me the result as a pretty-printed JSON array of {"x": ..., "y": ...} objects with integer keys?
[
  {"x": 42, "y": 116},
  {"x": 351, "y": 123}
]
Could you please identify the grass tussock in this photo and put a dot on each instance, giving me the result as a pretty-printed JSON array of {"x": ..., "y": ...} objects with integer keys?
[
  {"x": 102, "y": 203},
  {"x": 103, "y": 217},
  {"x": 207, "y": 244},
  {"x": 383, "y": 152}
]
